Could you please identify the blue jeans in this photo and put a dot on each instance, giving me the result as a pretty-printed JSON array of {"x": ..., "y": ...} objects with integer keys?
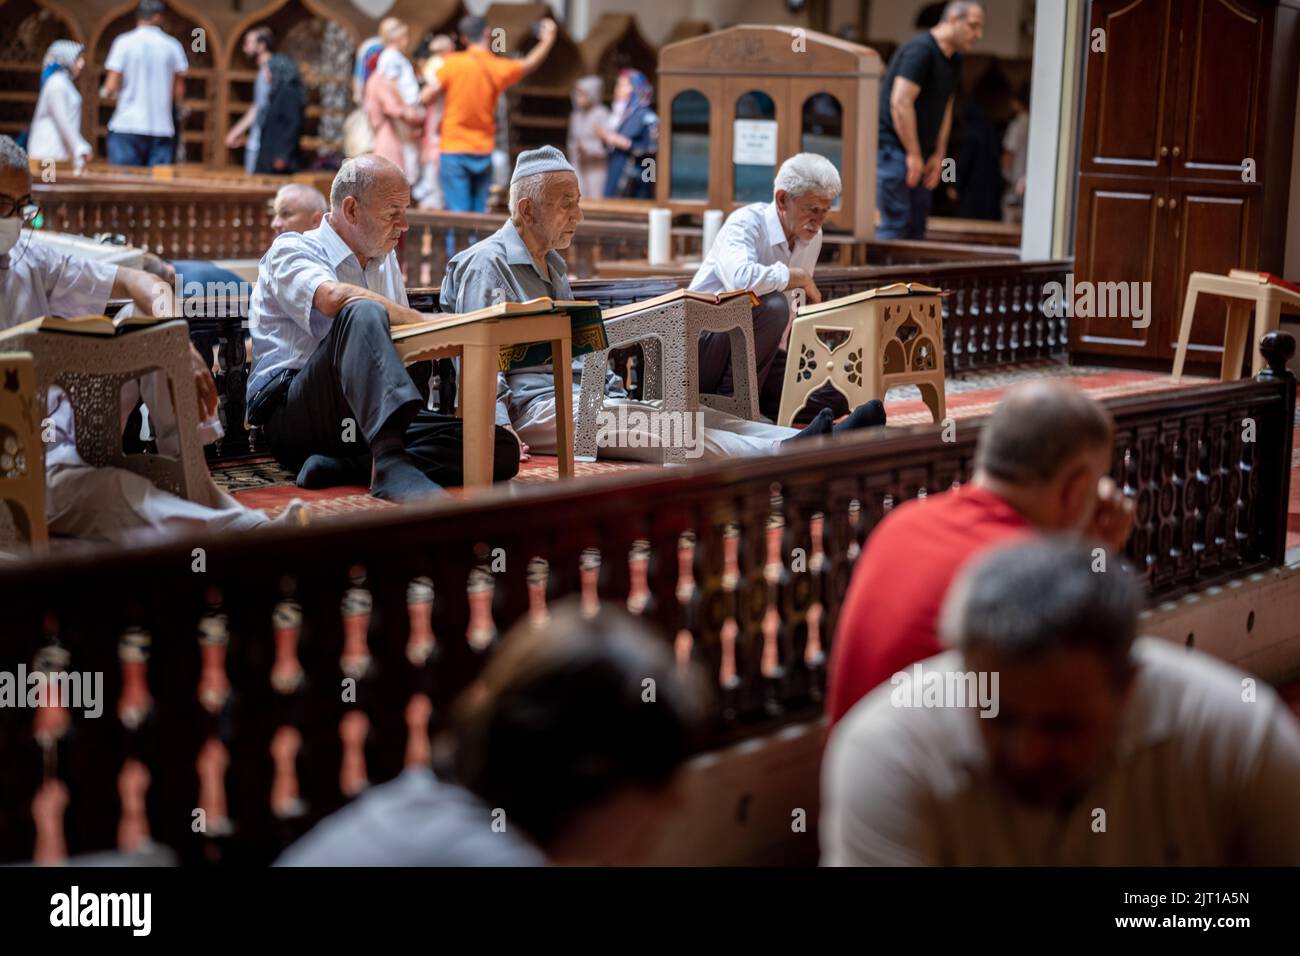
[
  {"x": 466, "y": 179},
  {"x": 136, "y": 149},
  {"x": 903, "y": 210}
]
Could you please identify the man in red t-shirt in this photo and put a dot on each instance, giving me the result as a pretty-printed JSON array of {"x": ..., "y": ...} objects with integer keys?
[{"x": 1042, "y": 462}]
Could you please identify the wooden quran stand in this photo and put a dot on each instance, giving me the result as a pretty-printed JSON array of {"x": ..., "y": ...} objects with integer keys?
[
  {"x": 478, "y": 346},
  {"x": 1242, "y": 294}
]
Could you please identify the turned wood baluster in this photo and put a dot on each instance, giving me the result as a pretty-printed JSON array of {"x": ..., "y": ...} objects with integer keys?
[
  {"x": 135, "y": 701},
  {"x": 420, "y": 643},
  {"x": 688, "y": 599},
  {"x": 356, "y": 607}
]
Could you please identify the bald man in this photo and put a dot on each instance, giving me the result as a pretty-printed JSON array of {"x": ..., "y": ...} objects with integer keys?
[
  {"x": 327, "y": 388},
  {"x": 1042, "y": 463},
  {"x": 297, "y": 207}
]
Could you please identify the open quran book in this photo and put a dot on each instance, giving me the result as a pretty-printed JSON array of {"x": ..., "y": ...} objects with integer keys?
[
  {"x": 586, "y": 322},
  {"x": 85, "y": 324},
  {"x": 1264, "y": 278},
  {"x": 896, "y": 289},
  {"x": 713, "y": 298}
]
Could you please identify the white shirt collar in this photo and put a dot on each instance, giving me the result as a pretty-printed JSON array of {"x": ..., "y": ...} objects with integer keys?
[{"x": 335, "y": 248}]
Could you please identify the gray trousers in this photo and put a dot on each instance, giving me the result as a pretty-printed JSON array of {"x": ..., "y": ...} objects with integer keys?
[{"x": 771, "y": 316}]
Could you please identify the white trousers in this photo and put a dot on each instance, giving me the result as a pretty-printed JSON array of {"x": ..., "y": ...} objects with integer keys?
[{"x": 637, "y": 431}]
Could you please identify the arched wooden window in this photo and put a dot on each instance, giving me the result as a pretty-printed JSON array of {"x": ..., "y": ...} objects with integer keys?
[
  {"x": 822, "y": 130},
  {"x": 753, "y": 147},
  {"x": 689, "y": 176}
]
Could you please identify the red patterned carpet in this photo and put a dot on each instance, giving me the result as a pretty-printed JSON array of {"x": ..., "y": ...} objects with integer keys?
[{"x": 265, "y": 486}]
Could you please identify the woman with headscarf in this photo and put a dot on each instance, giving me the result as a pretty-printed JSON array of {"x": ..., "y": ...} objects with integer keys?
[
  {"x": 56, "y": 125},
  {"x": 281, "y": 120},
  {"x": 358, "y": 137},
  {"x": 631, "y": 134},
  {"x": 586, "y": 149}
]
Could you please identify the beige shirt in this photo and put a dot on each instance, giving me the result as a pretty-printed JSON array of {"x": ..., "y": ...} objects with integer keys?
[{"x": 1200, "y": 777}]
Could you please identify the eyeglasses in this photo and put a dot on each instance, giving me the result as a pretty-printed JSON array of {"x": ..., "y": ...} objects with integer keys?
[{"x": 23, "y": 206}]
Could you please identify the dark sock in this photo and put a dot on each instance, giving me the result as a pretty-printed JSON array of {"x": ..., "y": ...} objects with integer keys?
[
  {"x": 821, "y": 424},
  {"x": 326, "y": 471},
  {"x": 399, "y": 478},
  {"x": 867, "y": 415}
]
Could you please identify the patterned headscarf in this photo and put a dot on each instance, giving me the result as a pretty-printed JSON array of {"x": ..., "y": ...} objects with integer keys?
[
  {"x": 643, "y": 92},
  {"x": 60, "y": 56}
]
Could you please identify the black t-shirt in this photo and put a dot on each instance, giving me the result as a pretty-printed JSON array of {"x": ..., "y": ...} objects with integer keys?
[{"x": 922, "y": 61}]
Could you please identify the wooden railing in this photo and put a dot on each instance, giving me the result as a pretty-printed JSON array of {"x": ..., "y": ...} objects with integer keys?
[
  {"x": 234, "y": 649},
  {"x": 172, "y": 222}
]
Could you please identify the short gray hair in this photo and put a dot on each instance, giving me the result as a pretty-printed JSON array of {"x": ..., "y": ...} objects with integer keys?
[
  {"x": 12, "y": 156},
  {"x": 808, "y": 173},
  {"x": 308, "y": 197},
  {"x": 355, "y": 177},
  {"x": 1038, "y": 430},
  {"x": 1028, "y": 600},
  {"x": 527, "y": 187},
  {"x": 957, "y": 9}
]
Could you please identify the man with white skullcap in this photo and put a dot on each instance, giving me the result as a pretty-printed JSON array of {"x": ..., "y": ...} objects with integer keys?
[{"x": 521, "y": 261}]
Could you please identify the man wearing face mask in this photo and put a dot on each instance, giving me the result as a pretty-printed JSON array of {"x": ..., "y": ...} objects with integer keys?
[
  {"x": 770, "y": 249},
  {"x": 104, "y": 504},
  {"x": 1042, "y": 463},
  {"x": 327, "y": 386}
]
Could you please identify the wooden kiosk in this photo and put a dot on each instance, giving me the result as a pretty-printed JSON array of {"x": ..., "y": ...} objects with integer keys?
[{"x": 734, "y": 104}]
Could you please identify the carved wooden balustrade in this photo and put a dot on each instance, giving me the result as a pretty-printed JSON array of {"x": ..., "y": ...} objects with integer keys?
[
  {"x": 173, "y": 222},
  {"x": 226, "y": 661}
]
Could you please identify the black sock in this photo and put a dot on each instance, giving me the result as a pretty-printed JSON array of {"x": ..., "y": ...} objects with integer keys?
[
  {"x": 326, "y": 471},
  {"x": 399, "y": 478},
  {"x": 867, "y": 415},
  {"x": 821, "y": 424}
]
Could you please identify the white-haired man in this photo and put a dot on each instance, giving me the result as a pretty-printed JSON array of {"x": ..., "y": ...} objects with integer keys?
[
  {"x": 328, "y": 387},
  {"x": 297, "y": 207},
  {"x": 770, "y": 248},
  {"x": 519, "y": 262}
]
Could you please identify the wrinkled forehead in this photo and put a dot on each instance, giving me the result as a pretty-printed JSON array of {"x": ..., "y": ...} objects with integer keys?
[{"x": 560, "y": 187}]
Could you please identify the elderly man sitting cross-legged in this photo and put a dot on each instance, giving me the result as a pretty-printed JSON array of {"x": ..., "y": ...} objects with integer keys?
[
  {"x": 84, "y": 502},
  {"x": 327, "y": 386},
  {"x": 519, "y": 262},
  {"x": 771, "y": 248}
]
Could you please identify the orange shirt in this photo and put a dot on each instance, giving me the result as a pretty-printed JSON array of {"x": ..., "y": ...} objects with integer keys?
[{"x": 471, "y": 81}]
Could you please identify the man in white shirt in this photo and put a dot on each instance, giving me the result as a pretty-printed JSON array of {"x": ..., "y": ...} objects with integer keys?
[
  {"x": 146, "y": 73},
  {"x": 770, "y": 249},
  {"x": 102, "y": 504},
  {"x": 1049, "y": 737},
  {"x": 327, "y": 387}
]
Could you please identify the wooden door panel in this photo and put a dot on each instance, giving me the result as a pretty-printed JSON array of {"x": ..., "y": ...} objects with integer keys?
[
  {"x": 815, "y": 95},
  {"x": 1130, "y": 105},
  {"x": 1222, "y": 63},
  {"x": 1214, "y": 230},
  {"x": 1117, "y": 239}
]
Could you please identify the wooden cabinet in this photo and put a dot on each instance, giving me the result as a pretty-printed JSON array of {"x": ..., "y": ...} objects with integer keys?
[
  {"x": 1185, "y": 161},
  {"x": 764, "y": 93}
]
